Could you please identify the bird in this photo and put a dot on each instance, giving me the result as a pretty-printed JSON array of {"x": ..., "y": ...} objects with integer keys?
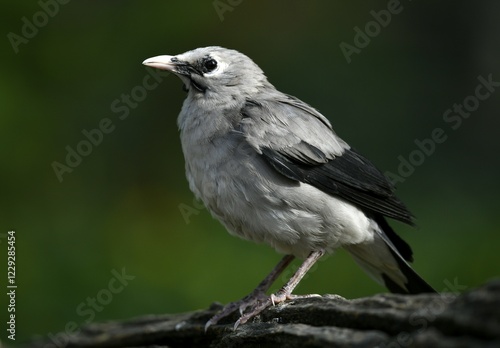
[{"x": 272, "y": 170}]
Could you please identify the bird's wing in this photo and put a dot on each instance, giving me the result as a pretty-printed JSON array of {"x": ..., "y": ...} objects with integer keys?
[{"x": 300, "y": 144}]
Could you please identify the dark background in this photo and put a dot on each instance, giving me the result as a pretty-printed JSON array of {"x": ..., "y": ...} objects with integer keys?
[{"x": 120, "y": 207}]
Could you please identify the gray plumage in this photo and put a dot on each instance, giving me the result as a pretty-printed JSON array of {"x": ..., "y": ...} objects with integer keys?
[{"x": 271, "y": 169}]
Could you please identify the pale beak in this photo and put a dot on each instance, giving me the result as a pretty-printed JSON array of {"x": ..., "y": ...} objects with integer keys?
[{"x": 162, "y": 62}]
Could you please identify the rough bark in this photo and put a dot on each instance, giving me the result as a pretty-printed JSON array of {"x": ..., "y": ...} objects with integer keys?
[{"x": 386, "y": 320}]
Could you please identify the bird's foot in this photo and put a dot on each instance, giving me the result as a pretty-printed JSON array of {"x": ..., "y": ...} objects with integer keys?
[
  {"x": 252, "y": 305},
  {"x": 273, "y": 300},
  {"x": 250, "y": 301},
  {"x": 257, "y": 301}
]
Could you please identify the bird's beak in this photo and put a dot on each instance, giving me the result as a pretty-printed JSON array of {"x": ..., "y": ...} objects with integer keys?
[{"x": 162, "y": 62}]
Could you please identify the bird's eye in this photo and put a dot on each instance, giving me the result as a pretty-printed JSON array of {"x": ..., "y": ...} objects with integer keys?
[{"x": 210, "y": 65}]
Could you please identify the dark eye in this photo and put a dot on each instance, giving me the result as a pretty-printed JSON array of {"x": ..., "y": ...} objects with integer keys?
[{"x": 210, "y": 65}]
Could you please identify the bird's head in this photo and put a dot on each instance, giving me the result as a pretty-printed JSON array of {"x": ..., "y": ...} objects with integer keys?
[{"x": 213, "y": 72}]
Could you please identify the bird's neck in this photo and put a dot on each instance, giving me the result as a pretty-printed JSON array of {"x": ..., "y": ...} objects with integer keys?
[{"x": 208, "y": 119}]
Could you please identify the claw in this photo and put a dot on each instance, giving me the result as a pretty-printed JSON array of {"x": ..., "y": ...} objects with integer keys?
[
  {"x": 257, "y": 301},
  {"x": 207, "y": 325},
  {"x": 253, "y": 305},
  {"x": 236, "y": 324},
  {"x": 249, "y": 302}
]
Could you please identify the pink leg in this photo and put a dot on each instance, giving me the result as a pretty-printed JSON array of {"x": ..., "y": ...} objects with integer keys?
[
  {"x": 255, "y": 297},
  {"x": 285, "y": 292}
]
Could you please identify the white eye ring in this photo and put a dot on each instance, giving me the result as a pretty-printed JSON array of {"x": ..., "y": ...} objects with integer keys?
[{"x": 221, "y": 66}]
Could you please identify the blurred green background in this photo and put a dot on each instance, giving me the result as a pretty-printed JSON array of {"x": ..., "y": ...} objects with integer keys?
[{"x": 120, "y": 207}]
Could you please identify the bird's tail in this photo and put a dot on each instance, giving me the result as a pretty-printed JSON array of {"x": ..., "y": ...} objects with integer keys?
[{"x": 385, "y": 264}]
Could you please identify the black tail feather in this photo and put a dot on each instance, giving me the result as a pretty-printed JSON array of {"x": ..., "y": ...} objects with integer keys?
[
  {"x": 402, "y": 247},
  {"x": 415, "y": 283}
]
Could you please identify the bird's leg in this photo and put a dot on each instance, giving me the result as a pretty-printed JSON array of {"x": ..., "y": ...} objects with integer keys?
[
  {"x": 256, "y": 296},
  {"x": 286, "y": 291}
]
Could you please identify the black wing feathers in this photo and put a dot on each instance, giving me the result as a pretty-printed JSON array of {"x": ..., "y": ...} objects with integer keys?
[
  {"x": 349, "y": 176},
  {"x": 300, "y": 144}
]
